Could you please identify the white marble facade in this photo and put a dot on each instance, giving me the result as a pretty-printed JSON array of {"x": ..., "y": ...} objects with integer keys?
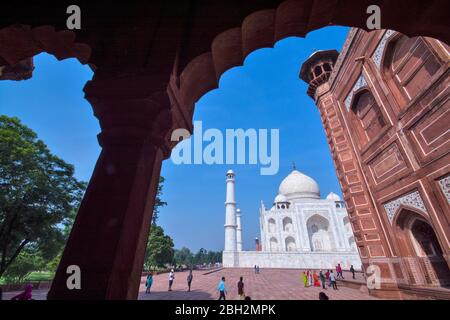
[{"x": 301, "y": 230}]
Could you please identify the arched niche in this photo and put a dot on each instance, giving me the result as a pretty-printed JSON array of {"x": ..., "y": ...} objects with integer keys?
[
  {"x": 320, "y": 236},
  {"x": 352, "y": 243},
  {"x": 366, "y": 117},
  {"x": 408, "y": 65},
  {"x": 419, "y": 246},
  {"x": 273, "y": 243},
  {"x": 288, "y": 225},
  {"x": 272, "y": 225},
  {"x": 290, "y": 244}
]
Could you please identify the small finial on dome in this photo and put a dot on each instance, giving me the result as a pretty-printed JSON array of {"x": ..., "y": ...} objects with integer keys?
[{"x": 293, "y": 166}]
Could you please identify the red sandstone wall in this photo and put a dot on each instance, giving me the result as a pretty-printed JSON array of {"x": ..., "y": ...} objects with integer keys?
[{"x": 403, "y": 163}]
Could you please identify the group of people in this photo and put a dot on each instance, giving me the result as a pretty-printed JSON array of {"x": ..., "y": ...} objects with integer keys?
[
  {"x": 222, "y": 289},
  {"x": 324, "y": 279},
  {"x": 310, "y": 278}
]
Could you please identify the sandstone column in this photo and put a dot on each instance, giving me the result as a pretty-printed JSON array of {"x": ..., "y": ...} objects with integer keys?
[{"x": 109, "y": 236}]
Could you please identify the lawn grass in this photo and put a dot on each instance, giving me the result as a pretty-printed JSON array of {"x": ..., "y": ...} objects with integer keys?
[
  {"x": 40, "y": 276},
  {"x": 34, "y": 276}
]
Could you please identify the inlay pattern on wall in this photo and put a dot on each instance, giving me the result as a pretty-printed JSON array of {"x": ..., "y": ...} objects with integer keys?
[
  {"x": 444, "y": 183},
  {"x": 378, "y": 53},
  {"x": 412, "y": 199},
  {"x": 342, "y": 55},
  {"x": 360, "y": 83}
]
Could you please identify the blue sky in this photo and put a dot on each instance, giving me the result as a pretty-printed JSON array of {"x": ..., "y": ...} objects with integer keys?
[{"x": 265, "y": 93}]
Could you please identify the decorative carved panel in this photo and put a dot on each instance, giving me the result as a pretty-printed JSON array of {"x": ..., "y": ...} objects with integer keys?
[
  {"x": 387, "y": 165},
  {"x": 412, "y": 199},
  {"x": 444, "y": 183},
  {"x": 377, "y": 55},
  {"x": 431, "y": 134}
]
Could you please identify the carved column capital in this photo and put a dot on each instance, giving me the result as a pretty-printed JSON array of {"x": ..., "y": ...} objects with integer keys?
[{"x": 131, "y": 110}]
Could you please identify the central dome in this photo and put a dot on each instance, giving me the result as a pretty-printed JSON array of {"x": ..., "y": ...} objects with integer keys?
[{"x": 299, "y": 185}]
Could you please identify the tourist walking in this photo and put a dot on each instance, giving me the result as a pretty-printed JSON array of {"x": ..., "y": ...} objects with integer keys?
[
  {"x": 240, "y": 286},
  {"x": 327, "y": 278},
  {"x": 189, "y": 279},
  {"x": 171, "y": 278},
  {"x": 333, "y": 280},
  {"x": 352, "y": 270},
  {"x": 310, "y": 278},
  {"x": 148, "y": 283},
  {"x": 322, "y": 279},
  {"x": 316, "y": 279},
  {"x": 305, "y": 279},
  {"x": 255, "y": 269},
  {"x": 222, "y": 289},
  {"x": 339, "y": 271}
]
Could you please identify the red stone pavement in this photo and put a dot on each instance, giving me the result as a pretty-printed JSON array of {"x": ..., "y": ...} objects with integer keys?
[{"x": 270, "y": 284}]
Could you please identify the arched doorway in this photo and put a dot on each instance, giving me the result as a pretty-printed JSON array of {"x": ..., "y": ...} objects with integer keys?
[
  {"x": 320, "y": 237},
  {"x": 287, "y": 225},
  {"x": 272, "y": 225},
  {"x": 420, "y": 250},
  {"x": 290, "y": 244},
  {"x": 273, "y": 244}
]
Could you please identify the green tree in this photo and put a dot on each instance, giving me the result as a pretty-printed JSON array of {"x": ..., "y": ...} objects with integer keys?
[
  {"x": 204, "y": 256},
  {"x": 52, "y": 265},
  {"x": 159, "y": 248},
  {"x": 38, "y": 192},
  {"x": 27, "y": 260},
  {"x": 183, "y": 256},
  {"x": 158, "y": 202},
  {"x": 200, "y": 256}
]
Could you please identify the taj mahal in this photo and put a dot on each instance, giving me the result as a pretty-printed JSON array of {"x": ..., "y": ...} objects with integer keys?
[{"x": 300, "y": 230}]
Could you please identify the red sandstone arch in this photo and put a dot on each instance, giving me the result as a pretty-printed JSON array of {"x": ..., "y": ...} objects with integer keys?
[
  {"x": 18, "y": 42},
  {"x": 262, "y": 29},
  {"x": 200, "y": 69},
  {"x": 267, "y": 23}
]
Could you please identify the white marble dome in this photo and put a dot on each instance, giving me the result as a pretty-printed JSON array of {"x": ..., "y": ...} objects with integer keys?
[
  {"x": 298, "y": 185},
  {"x": 280, "y": 198},
  {"x": 333, "y": 197}
]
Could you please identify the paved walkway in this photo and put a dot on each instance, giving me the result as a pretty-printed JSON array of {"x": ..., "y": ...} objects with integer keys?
[{"x": 270, "y": 284}]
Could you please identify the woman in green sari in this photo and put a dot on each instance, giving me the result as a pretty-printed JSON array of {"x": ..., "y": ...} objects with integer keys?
[{"x": 305, "y": 279}]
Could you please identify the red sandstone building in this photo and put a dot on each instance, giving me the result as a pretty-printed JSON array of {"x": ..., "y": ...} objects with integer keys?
[{"x": 384, "y": 104}]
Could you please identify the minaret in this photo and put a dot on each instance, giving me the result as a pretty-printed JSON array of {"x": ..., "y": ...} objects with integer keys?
[
  {"x": 316, "y": 71},
  {"x": 238, "y": 230},
  {"x": 230, "y": 215}
]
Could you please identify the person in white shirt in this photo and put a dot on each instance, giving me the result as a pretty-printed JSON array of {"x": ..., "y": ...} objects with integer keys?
[
  {"x": 333, "y": 280},
  {"x": 171, "y": 278}
]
